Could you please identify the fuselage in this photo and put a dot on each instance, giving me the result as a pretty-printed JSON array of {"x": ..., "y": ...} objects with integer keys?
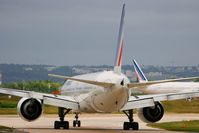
[
  {"x": 171, "y": 87},
  {"x": 93, "y": 98},
  {"x": 98, "y": 99}
]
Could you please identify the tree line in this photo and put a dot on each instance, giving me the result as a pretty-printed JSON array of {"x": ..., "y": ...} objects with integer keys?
[{"x": 45, "y": 86}]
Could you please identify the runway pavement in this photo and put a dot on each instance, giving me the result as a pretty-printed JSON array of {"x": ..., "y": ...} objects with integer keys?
[{"x": 95, "y": 123}]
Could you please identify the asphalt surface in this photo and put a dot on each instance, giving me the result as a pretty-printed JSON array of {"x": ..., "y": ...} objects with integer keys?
[{"x": 95, "y": 123}]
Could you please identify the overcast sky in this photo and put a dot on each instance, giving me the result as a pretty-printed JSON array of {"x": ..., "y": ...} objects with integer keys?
[{"x": 84, "y": 32}]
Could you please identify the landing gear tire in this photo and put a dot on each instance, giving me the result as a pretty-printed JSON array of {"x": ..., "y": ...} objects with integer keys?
[
  {"x": 59, "y": 124},
  {"x": 135, "y": 126},
  {"x": 76, "y": 123},
  {"x": 126, "y": 126},
  {"x": 131, "y": 124},
  {"x": 79, "y": 123},
  {"x": 56, "y": 125}
]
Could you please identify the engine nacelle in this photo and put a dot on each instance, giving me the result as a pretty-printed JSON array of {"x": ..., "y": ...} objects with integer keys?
[
  {"x": 151, "y": 114},
  {"x": 29, "y": 109}
]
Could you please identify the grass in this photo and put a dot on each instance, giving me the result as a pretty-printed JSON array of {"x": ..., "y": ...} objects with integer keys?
[
  {"x": 50, "y": 110},
  {"x": 5, "y": 129},
  {"x": 189, "y": 126},
  {"x": 182, "y": 106}
]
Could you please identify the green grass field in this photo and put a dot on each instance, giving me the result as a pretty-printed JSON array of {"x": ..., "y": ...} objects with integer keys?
[
  {"x": 182, "y": 106},
  {"x": 4, "y": 129},
  {"x": 190, "y": 126}
]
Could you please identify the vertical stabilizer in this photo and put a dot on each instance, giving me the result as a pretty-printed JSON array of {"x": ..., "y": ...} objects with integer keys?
[
  {"x": 120, "y": 44},
  {"x": 138, "y": 71}
]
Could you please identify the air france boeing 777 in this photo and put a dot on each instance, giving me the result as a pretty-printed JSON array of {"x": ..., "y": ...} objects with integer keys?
[
  {"x": 172, "y": 87},
  {"x": 101, "y": 92}
]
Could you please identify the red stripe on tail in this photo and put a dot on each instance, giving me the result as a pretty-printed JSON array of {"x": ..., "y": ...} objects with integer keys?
[{"x": 120, "y": 54}]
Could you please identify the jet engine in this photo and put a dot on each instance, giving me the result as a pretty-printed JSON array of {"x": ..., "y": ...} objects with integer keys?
[
  {"x": 151, "y": 114},
  {"x": 29, "y": 108}
]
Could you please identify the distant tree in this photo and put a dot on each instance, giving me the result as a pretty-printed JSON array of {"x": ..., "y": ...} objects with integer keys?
[
  {"x": 38, "y": 86},
  {"x": 197, "y": 80}
]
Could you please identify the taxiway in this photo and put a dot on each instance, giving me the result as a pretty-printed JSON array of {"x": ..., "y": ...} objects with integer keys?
[{"x": 95, "y": 123}]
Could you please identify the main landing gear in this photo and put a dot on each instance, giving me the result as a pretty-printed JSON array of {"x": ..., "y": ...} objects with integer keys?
[
  {"x": 131, "y": 123},
  {"x": 62, "y": 123},
  {"x": 65, "y": 124}
]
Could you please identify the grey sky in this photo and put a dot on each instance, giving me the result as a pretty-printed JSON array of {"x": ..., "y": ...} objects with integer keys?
[{"x": 84, "y": 32}]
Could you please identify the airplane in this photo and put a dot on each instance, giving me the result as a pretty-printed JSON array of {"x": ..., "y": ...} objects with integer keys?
[
  {"x": 100, "y": 92},
  {"x": 172, "y": 87}
]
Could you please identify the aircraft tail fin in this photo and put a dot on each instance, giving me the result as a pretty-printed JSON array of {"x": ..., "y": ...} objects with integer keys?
[
  {"x": 120, "y": 44},
  {"x": 138, "y": 71}
]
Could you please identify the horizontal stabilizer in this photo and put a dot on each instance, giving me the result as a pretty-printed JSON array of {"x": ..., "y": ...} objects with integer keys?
[
  {"x": 130, "y": 85},
  {"x": 97, "y": 83}
]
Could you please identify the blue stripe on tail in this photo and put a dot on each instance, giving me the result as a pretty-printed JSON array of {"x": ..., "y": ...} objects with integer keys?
[{"x": 140, "y": 75}]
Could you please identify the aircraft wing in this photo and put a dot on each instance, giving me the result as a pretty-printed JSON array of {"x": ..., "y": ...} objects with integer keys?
[
  {"x": 149, "y": 100},
  {"x": 49, "y": 99},
  {"x": 142, "y": 84},
  {"x": 102, "y": 84}
]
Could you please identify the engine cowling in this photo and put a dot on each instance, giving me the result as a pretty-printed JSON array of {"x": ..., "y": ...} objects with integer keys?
[
  {"x": 151, "y": 114},
  {"x": 29, "y": 109}
]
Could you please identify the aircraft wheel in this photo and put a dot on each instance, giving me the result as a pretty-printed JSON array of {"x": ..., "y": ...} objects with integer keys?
[
  {"x": 126, "y": 126},
  {"x": 65, "y": 124},
  {"x": 74, "y": 123},
  {"x": 56, "y": 125},
  {"x": 135, "y": 126},
  {"x": 79, "y": 123},
  {"x": 59, "y": 124}
]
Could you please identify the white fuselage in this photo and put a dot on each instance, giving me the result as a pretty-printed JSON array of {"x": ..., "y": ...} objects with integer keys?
[
  {"x": 93, "y": 98},
  {"x": 98, "y": 99}
]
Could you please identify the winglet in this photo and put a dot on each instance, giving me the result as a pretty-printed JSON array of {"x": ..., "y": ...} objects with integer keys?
[
  {"x": 120, "y": 44},
  {"x": 138, "y": 71}
]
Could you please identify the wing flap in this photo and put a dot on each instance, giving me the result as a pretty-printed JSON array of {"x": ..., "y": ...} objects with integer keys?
[
  {"x": 56, "y": 101},
  {"x": 139, "y": 103},
  {"x": 148, "y": 100}
]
